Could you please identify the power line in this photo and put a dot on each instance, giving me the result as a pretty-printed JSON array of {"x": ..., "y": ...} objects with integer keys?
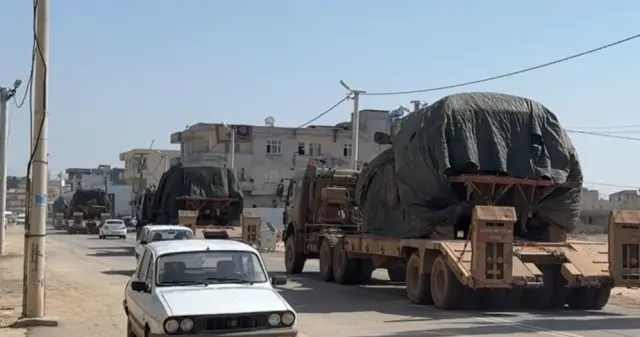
[
  {"x": 600, "y": 134},
  {"x": 605, "y": 127},
  {"x": 320, "y": 115},
  {"x": 517, "y": 72}
]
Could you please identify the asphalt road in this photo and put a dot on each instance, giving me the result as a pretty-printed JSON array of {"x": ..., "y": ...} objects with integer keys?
[{"x": 380, "y": 309}]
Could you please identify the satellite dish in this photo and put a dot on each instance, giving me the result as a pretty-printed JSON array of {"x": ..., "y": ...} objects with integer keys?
[{"x": 269, "y": 121}]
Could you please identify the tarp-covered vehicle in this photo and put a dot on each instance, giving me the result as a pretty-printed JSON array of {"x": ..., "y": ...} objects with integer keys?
[
  {"x": 204, "y": 182},
  {"x": 471, "y": 206},
  {"x": 85, "y": 210}
]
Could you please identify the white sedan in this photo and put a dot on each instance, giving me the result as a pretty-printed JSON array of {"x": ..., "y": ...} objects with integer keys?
[
  {"x": 113, "y": 228},
  {"x": 205, "y": 288}
]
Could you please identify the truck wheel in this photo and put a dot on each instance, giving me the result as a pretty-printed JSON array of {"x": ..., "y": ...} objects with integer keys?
[
  {"x": 344, "y": 269},
  {"x": 541, "y": 298},
  {"x": 365, "y": 271},
  {"x": 589, "y": 298},
  {"x": 397, "y": 272},
  {"x": 446, "y": 289},
  {"x": 418, "y": 285},
  {"x": 293, "y": 260},
  {"x": 326, "y": 260}
]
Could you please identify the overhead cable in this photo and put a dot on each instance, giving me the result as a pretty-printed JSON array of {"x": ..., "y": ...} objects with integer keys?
[{"x": 517, "y": 72}]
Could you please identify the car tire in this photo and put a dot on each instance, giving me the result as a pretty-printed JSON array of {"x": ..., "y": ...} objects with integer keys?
[
  {"x": 101, "y": 237},
  {"x": 130, "y": 332},
  {"x": 123, "y": 237}
]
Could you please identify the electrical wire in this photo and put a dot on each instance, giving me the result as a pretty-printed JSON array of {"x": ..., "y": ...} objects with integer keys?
[
  {"x": 600, "y": 134},
  {"x": 509, "y": 74},
  {"x": 320, "y": 115}
]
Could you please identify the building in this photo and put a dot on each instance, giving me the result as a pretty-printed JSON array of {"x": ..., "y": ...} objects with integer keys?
[
  {"x": 150, "y": 163},
  {"x": 266, "y": 155},
  {"x": 16, "y": 201},
  {"x": 594, "y": 211}
]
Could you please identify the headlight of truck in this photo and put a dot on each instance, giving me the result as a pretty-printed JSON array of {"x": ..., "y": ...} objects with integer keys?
[
  {"x": 274, "y": 319},
  {"x": 186, "y": 324},
  {"x": 288, "y": 318},
  {"x": 171, "y": 325}
]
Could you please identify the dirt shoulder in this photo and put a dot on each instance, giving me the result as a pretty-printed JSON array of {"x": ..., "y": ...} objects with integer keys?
[{"x": 85, "y": 301}]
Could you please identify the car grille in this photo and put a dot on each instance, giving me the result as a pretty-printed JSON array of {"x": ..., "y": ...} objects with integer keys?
[{"x": 235, "y": 322}]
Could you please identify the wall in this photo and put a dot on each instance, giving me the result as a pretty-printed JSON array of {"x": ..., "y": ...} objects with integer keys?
[{"x": 154, "y": 164}]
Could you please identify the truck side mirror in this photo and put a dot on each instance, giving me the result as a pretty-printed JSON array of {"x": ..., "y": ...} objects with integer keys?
[{"x": 280, "y": 191}]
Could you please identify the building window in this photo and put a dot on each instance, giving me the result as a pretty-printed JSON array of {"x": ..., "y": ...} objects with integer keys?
[
  {"x": 227, "y": 146},
  {"x": 301, "y": 149},
  {"x": 315, "y": 149},
  {"x": 272, "y": 175},
  {"x": 274, "y": 147},
  {"x": 240, "y": 173},
  {"x": 347, "y": 151}
]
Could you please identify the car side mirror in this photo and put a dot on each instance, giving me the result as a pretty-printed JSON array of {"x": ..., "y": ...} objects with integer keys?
[
  {"x": 143, "y": 242},
  {"x": 279, "y": 280},
  {"x": 139, "y": 286}
]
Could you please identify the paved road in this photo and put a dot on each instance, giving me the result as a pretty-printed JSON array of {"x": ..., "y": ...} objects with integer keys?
[{"x": 381, "y": 309}]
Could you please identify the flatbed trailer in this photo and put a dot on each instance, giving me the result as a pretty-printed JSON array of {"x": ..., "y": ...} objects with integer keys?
[{"x": 486, "y": 268}]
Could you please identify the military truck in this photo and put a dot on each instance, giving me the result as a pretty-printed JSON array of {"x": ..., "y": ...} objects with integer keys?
[
  {"x": 85, "y": 210},
  {"x": 489, "y": 244}
]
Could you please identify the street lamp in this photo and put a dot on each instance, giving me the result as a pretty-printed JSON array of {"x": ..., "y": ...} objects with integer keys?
[
  {"x": 355, "y": 128},
  {"x": 232, "y": 133}
]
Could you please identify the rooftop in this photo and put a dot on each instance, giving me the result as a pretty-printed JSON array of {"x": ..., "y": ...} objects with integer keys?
[{"x": 198, "y": 245}]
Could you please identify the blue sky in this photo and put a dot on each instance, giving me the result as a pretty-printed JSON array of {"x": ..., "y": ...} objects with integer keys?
[{"x": 124, "y": 73}]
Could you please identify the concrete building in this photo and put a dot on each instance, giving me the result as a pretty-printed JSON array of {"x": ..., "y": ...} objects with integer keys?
[
  {"x": 594, "y": 211},
  {"x": 265, "y": 155},
  {"x": 17, "y": 194},
  {"x": 152, "y": 163}
]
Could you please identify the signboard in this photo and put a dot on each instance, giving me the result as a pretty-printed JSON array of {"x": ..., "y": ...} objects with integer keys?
[{"x": 187, "y": 213}]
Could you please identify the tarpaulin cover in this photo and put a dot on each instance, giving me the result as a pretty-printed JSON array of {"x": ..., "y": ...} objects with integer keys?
[
  {"x": 404, "y": 191},
  {"x": 96, "y": 200},
  {"x": 59, "y": 205},
  {"x": 195, "y": 181}
]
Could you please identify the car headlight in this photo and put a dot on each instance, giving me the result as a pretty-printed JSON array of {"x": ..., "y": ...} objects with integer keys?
[
  {"x": 288, "y": 318},
  {"x": 274, "y": 319},
  {"x": 171, "y": 325},
  {"x": 186, "y": 324}
]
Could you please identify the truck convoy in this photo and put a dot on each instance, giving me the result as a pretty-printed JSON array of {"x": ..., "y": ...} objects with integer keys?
[
  {"x": 470, "y": 206},
  {"x": 85, "y": 211}
]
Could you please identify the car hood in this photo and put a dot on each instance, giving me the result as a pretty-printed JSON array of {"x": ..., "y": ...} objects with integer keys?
[{"x": 222, "y": 300}]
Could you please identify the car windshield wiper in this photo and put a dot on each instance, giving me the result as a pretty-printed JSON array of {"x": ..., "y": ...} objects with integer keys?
[
  {"x": 227, "y": 280},
  {"x": 184, "y": 283}
]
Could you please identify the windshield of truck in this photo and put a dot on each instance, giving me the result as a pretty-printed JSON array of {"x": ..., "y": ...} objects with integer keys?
[
  {"x": 209, "y": 267},
  {"x": 170, "y": 234}
]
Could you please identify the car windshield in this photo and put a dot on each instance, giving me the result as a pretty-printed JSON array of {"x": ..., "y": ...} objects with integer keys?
[
  {"x": 170, "y": 234},
  {"x": 209, "y": 267}
]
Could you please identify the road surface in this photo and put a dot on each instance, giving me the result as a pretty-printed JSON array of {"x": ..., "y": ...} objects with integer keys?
[{"x": 331, "y": 310}]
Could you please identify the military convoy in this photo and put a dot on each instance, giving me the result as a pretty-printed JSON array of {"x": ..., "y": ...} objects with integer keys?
[{"x": 492, "y": 245}]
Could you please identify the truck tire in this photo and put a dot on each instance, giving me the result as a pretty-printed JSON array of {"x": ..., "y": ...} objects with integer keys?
[
  {"x": 345, "y": 270},
  {"x": 397, "y": 272},
  {"x": 365, "y": 271},
  {"x": 326, "y": 260},
  {"x": 293, "y": 260},
  {"x": 418, "y": 285},
  {"x": 589, "y": 298},
  {"x": 541, "y": 298},
  {"x": 446, "y": 289}
]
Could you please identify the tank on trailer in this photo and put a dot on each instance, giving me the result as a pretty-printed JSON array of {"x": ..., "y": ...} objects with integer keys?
[{"x": 481, "y": 228}]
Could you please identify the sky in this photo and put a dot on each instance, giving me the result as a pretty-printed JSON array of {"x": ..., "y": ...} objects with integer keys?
[{"x": 124, "y": 74}]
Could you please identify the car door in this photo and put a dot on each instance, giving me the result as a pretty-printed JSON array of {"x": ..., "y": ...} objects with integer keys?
[{"x": 136, "y": 299}]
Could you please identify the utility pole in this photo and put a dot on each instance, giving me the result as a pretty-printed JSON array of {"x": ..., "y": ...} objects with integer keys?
[
  {"x": 355, "y": 123},
  {"x": 35, "y": 304},
  {"x": 5, "y": 96},
  {"x": 231, "y": 132},
  {"x": 416, "y": 105}
]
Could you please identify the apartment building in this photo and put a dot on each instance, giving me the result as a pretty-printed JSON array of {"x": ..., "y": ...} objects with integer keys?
[
  {"x": 265, "y": 155},
  {"x": 594, "y": 210},
  {"x": 16, "y": 200},
  {"x": 150, "y": 163}
]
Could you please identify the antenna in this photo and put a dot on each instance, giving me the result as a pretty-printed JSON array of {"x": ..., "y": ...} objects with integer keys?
[{"x": 269, "y": 121}]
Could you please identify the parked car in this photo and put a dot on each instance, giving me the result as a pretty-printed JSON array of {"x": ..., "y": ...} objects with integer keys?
[
  {"x": 153, "y": 233},
  {"x": 113, "y": 228},
  {"x": 205, "y": 288}
]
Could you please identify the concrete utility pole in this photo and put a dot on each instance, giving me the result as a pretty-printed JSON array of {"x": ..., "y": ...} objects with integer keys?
[
  {"x": 5, "y": 96},
  {"x": 416, "y": 105},
  {"x": 355, "y": 123},
  {"x": 231, "y": 132},
  {"x": 35, "y": 304}
]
